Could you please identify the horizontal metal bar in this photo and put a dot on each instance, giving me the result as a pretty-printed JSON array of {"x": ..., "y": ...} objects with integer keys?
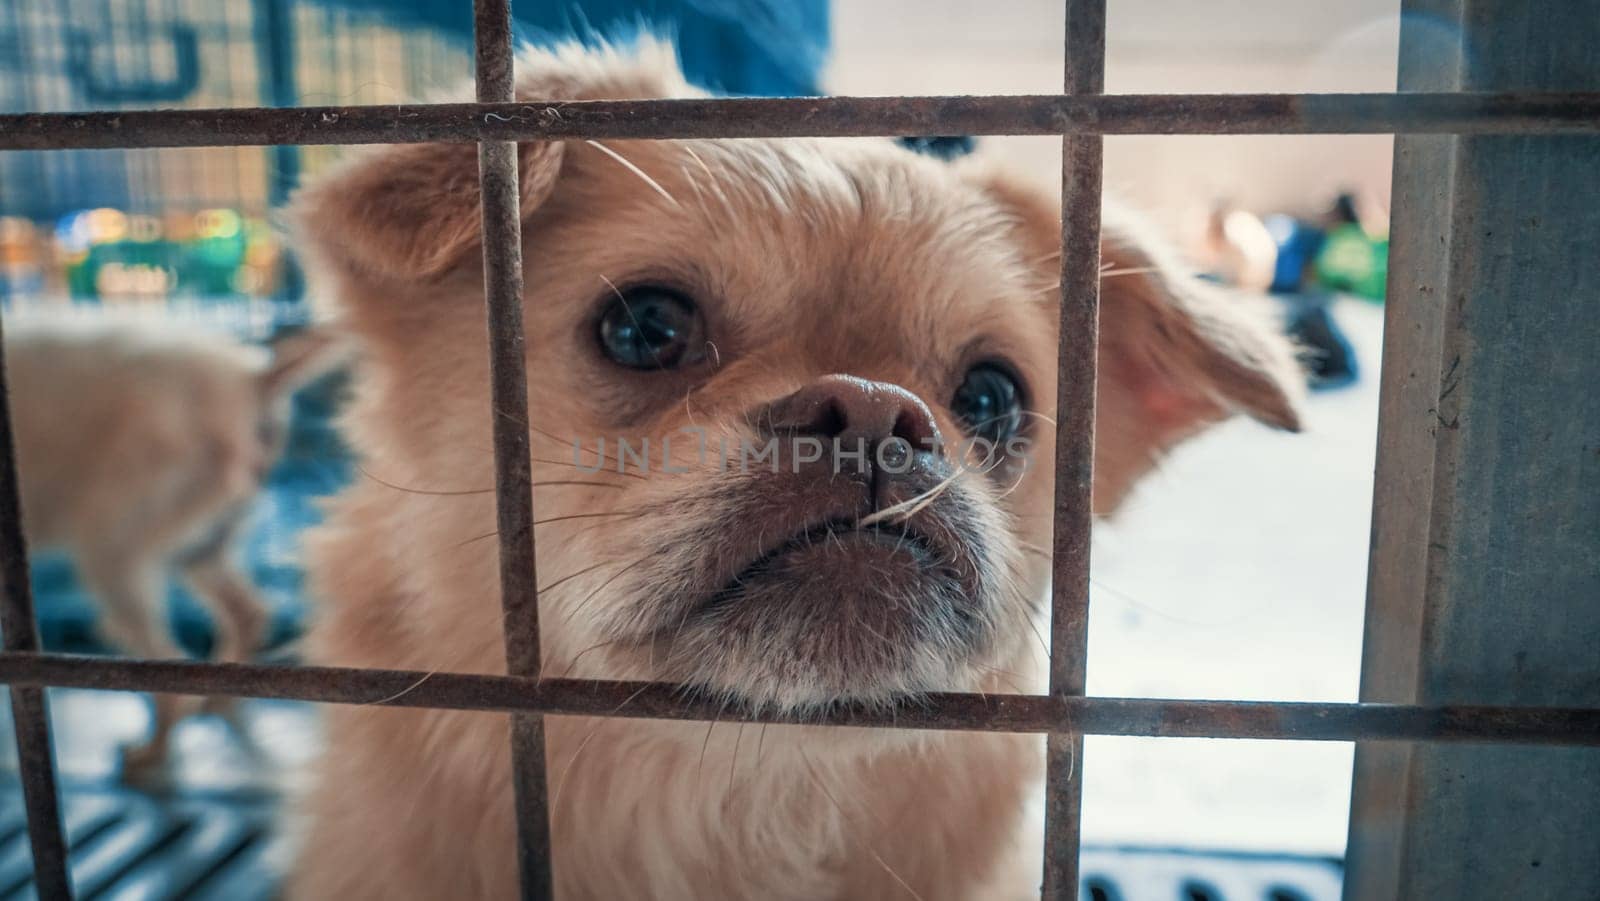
[
  {"x": 962, "y": 712},
  {"x": 1441, "y": 113}
]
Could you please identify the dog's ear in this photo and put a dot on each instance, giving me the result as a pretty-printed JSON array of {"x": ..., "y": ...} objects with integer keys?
[
  {"x": 408, "y": 212},
  {"x": 1176, "y": 354},
  {"x": 300, "y": 358}
]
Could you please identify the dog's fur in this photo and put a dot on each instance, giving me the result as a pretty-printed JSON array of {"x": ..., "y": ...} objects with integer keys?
[
  {"x": 808, "y": 257},
  {"x": 140, "y": 446}
]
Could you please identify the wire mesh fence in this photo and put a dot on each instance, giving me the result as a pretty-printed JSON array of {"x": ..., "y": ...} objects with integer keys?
[{"x": 1081, "y": 114}]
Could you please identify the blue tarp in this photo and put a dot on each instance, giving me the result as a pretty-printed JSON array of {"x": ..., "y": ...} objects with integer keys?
[{"x": 763, "y": 47}]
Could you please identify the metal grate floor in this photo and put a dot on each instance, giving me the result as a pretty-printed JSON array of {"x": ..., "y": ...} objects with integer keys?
[
  {"x": 1155, "y": 874},
  {"x": 127, "y": 846},
  {"x": 212, "y": 833}
]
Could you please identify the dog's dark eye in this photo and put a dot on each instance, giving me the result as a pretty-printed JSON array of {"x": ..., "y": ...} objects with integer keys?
[
  {"x": 989, "y": 403},
  {"x": 650, "y": 327}
]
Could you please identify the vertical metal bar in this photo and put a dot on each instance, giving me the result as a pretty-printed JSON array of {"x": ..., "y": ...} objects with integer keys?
[
  {"x": 502, "y": 276},
  {"x": 274, "y": 35},
  {"x": 1402, "y": 498},
  {"x": 30, "y": 711},
  {"x": 1081, "y": 158},
  {"x": 1487, "y": 506}
]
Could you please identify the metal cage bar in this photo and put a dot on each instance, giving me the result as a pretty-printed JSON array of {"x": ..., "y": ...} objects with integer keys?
[
  {"x": 1153, "y": 717},
  {"x": 1082, "y": 158},
  {"x": 513, "y": 476},
  {"x": 30, "y": 711},
  {"x": 1422, "y": 113},
  {"x": 1081, "y": 115}
]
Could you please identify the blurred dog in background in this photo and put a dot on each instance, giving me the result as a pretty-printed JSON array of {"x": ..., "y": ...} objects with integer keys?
[{"x": 141, "y": 447}]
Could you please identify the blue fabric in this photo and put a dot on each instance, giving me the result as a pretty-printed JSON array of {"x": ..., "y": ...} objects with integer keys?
[{"x": 757, "y": 47}]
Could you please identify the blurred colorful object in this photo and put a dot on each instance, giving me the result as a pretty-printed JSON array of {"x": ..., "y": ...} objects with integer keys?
[
  {"x": 106, "y": 254},
  {"x": 1245, "y": 252},
  {"x": 141, "y": 223},
  {"x": 1297, "y": 245},
  {"x": 1328, "y": 356},
  {"x": 22, "y": 257},
  {"x": 1305, "y": 266},
  {"x": 1354, "y": 261},
  {"x": 1348, "y": 252}
]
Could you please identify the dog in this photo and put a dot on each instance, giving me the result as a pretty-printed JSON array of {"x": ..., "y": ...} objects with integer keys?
[
  {"x": 140, "y": 447},
  {"x": 741, "y": 304}
]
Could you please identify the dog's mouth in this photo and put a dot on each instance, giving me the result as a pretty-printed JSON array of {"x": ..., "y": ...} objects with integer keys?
[
  {"x": 835, "y": 610},
  {"x": 895, "y": 549}
]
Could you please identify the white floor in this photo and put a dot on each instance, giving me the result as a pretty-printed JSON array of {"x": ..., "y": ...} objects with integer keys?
[{"x": 1238, "y": 572}]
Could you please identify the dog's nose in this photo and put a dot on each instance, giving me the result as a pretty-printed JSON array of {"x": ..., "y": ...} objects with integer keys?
[{"x": 856, "y": 411}]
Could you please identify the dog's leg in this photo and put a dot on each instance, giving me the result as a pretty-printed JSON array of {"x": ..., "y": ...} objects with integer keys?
[
  {"x": 239, "y": 615},
  {"x": 133, "y": 618},
  {"x": 239, "y": 623}
]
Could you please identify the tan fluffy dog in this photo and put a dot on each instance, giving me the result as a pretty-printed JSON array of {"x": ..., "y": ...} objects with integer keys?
[
  {"x": 140, "y": 447},
  {"x": 723, "y": 295}
]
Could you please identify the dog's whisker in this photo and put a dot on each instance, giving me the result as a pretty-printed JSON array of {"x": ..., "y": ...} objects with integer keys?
[
  {"x": 473, "y": 492},
  {"x": 585, "y": 530},
  {"x": 602, "y": 587},
  {"x": 477, "y": 538},
  {"x": 571, "y": 465},
  {"x": 733, "y": 765},
  {"x": 556, "y": 799},
  {"x": 910, "y": 506},
  {"x": 571, "y": 516},
  {"x": 401, "y": 693},
  {"x": 704, "y": 745},
  {"x": 602, "y": 464},
  {"x": 1043, "y": 645},
  {"x": 1109, "y": 270},
  {"x": 1006, "y": 676},
  {"x": 572, "y": 764},
  {"x": 1015, "y": 484},
  {"x": 573, "y": 575},
  {"x": 572, "y": 664},
  {"x": 545, "y": 433},
  {"x": 702, "y": 163},
  {"x": 434, "y": 493},
  {"x": 555, "y": 519},
  {"x": 628, "y": 164},
  {"x": 816, "y": 779}
]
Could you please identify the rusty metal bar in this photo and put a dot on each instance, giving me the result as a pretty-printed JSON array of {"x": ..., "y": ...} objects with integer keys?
[
  {"x": 1423, "y": 113},
  {"x": 30, "y": 712},
  {"x": 1082, "y": 156},
  {"x": 513, "y": 476},
  {"x": 1161, "y": 718}
]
